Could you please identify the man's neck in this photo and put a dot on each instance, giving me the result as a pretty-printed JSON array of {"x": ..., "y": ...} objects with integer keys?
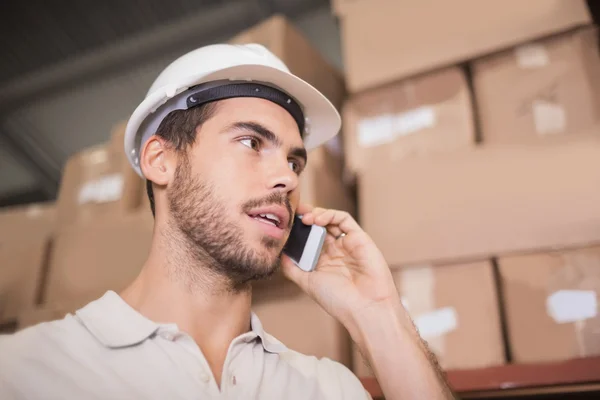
[{"x": 173, "y": 287}]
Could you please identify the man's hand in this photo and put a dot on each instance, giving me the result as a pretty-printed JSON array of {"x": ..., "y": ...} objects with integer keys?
[
  {"x": 354, "y": 284},
  {"x": 351, "y": 275}
]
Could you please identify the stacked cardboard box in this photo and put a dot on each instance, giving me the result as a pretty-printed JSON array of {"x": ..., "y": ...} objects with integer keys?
[
  {"x": 551, "y": 302},
  {"x": 431, "y": 113},
  {"x": 449, "y": 103},
  {"x": 387, "y": 40},
  {"x": 97, "y": 182},
  {"x": 98, "y": 205},
  {"x": 25, "y": 234},
  {"x": 455, "y": 309},
  {"x": 541, "y": 89}
]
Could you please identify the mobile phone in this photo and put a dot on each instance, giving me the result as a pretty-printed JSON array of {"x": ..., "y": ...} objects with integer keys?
[{"x": 304, "y": 244}]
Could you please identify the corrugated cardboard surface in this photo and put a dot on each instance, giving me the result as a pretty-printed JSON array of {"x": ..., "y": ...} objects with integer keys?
[
  {"x": 321, "y": 183},
  {"x": 23, "y": 221},
  {"x": 286, "y": 42},
  {"x": 428, "y": 114},
  {"x": 385, "y": 40},
  {"x": 455, "y": 309},
  {"x": 550, "y": 300},
  {"x": 540, "y": 89},
  {"x": 23, "y": 265},
  {"x": 301, "y": 324},
  {"x": 90, "y": 259},
  {"x": 485, "y": 202},
  {"x": 97, "y": 182}
]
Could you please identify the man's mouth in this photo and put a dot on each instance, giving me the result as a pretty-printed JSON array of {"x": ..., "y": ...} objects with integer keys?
[
  {"x": 268, "y": 218},
  {"x": 274, "y": 215}
]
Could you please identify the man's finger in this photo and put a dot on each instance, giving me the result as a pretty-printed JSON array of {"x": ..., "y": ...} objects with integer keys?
[
  {"x": 341, "y": 219},
  {"x": 304, "y": 208},
  {"x": 334, "y": 231}
]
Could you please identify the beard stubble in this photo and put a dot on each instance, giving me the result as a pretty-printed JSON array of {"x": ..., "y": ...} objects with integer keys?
[{"x": 211, "y": 237}]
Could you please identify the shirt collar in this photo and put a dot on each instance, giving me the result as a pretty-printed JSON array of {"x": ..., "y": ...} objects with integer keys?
[{"x": 115, "y": 324}]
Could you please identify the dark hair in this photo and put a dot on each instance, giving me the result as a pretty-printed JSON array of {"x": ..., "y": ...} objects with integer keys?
[{"x": 179, "y": 130}]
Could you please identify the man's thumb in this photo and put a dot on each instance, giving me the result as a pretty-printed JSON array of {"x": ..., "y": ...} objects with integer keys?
[{"x": 293, "y": 273}]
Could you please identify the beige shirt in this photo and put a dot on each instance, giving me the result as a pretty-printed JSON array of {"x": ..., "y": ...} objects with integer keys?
[{"x": 107, "y": 350}]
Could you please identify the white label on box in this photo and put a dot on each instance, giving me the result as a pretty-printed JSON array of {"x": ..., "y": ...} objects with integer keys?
[
  {"x": 376, "y": 131},
  {"x": 532, "y": 56},
  {"x": 102, "y": 190},
  {"x": 387, "y": 127},
  {"x": 414, "y": 120},
  {"x": 98, "y": 156},
  {"x": 548, "y": 118},
  {"x": 437, "y": 323},
  {"x": 565, "y": 306}
]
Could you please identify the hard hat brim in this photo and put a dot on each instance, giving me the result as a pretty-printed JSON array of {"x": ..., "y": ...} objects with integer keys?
[{"x": 323, "y": 121}]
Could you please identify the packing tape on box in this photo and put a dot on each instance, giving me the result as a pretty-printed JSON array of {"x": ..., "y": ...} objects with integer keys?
[
  {"x": 99, "y": 186},
  {"x": 104, "y": 189},
  {"x": 386, "y": 128},
  {"x": 572, "y": 299},
  {"x": 532, "y": 55},
  {"x": 417, "y": 289}
]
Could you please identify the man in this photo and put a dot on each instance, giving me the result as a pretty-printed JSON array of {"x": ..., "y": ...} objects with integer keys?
[{"x": 222, "y": 138}]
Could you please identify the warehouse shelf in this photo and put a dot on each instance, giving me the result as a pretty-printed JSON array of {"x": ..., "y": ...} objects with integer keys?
[{"x": 519, "y": 379}]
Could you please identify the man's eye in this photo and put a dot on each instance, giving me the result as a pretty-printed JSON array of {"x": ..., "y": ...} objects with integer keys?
[
  {"x": 251, "y": 142},
  {"x": 294, "y": 166}
]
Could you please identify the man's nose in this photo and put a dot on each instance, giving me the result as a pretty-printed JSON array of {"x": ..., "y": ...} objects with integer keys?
[{"x": 281, "y": 176}]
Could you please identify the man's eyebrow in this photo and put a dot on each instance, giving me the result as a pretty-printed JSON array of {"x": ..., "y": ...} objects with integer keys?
[
  {"x": 259, "y": 129},
  {"x": 267, "y": 134}
]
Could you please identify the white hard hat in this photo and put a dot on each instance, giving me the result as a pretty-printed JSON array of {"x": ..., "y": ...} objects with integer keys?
[{"x": 216, "y": 66}]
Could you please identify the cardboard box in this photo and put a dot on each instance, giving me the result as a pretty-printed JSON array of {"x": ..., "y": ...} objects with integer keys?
[
  {"x": 551, "y": 304},
  {"x": 428, "y": 114},
  {"x": 485, "y": 202},
  {"x": 285, "y": 41},
  {"x": 301, "y": 324},
  {"x": 24, "y": 221},
  {"x": 456, "y": 311},
  {"x": 386, "y": 40},
  {"x": 23, "y": 266},
  {"x": 322, "y": 184},
  {"x": 90, "y": 259},
  {"x": 97, "y": 182},
  {"x": 540, "y": 89}
]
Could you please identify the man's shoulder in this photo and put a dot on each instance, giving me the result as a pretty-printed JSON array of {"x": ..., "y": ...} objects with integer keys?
[{"x": 51, "y": 335}]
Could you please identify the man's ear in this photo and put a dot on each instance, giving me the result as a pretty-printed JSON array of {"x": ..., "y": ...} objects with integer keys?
[{"x": 157, "y": 162}]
